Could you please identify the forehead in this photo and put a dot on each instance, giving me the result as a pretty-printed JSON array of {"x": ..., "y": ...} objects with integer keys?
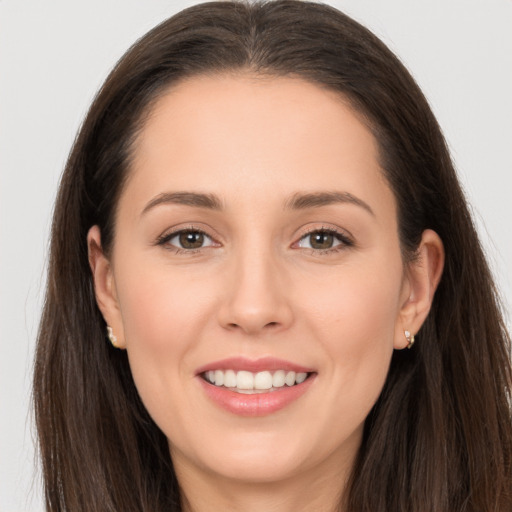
[{"x": 228, "y": 133}]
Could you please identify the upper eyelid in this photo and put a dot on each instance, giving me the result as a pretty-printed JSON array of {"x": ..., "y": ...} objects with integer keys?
[
  {"x": 322, "y": 230},
  {"x": 174, "y": 231},
  {"x": 305, "y": 231}
]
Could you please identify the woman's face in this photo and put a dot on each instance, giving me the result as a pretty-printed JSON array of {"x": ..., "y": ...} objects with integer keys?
[{"x": 256, "y": 234}]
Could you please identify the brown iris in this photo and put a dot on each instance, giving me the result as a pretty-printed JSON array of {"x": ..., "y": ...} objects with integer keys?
[
  {"x": 191, "y": 239},
  {"x": 321, "y": 240}
]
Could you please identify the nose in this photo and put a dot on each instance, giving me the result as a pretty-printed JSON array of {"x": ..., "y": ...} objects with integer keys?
[{"x": 256, "y": 298}]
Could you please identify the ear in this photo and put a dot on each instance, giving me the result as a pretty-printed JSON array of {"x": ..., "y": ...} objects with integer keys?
[
  {"x": 420, "y": 283},
  {"x": 104, "y": 286}
]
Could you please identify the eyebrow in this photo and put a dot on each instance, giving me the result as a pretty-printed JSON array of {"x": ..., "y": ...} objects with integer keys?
[
  {"x": 208, "y": 201},
  {"x": 317, "y": 199},
  {"x": 299, "y": 201}
]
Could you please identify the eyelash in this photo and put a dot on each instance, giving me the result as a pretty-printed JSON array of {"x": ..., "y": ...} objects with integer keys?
[
  {"x": 345, "y": 241},
  {"x": 165, "y": 239}
]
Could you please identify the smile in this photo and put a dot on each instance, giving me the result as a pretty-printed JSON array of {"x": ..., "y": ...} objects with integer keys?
[
  {"x": 249, "y": 382},
  {"x": 254, "y": 388}
]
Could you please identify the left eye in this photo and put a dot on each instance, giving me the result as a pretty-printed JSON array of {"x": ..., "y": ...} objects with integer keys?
[
  {"x": 189, "y": 239},
  {"x": 322, "y": 240}
]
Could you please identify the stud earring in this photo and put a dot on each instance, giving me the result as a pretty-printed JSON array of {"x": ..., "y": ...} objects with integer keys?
[
  {"x": 112, "y": 337},
  {"x": 410, "y": 338}
]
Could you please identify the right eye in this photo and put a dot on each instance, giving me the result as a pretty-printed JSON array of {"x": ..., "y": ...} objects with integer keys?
[
  {"x": 320, "y": 240},
  {"x": 187, "y": 239}
]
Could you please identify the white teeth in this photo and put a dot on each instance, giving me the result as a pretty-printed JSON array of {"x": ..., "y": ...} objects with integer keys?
[
  {"x": 219, "y": 377},
  {"x": 230, "y": 380},
  {"x": 244, "y": 381},
  {"x": 263, "y": 380},
  {"x": 301, "y": 377},
  {"x": 278, "y": 379},
  {"x": 290, "y": 379}
]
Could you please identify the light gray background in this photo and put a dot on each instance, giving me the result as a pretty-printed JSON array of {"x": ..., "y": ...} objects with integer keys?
[{"x": 53, "y": 57}]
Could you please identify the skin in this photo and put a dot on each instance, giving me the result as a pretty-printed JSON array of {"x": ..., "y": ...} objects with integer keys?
[{"x": 256, "y": 288}]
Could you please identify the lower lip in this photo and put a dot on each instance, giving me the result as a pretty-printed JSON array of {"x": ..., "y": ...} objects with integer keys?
[{"x": 257, "y": 404}]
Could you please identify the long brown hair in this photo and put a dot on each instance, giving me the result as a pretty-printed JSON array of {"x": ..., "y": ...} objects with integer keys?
[{"x": 439, "y": 439}]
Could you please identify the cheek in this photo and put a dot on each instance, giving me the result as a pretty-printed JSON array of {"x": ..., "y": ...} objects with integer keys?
[
  {"x": 149, "y": 309},
  {"x": 354, "y": 320},
  {"x": 163, "y": 314},
  {"x": 161, "y": 308},
  {"x": 355, "y": 309}
]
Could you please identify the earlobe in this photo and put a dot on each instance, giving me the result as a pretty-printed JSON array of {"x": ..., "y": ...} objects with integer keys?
[
  {"x": 104, "y": 287},
  {"x": 423, "y": 277}
]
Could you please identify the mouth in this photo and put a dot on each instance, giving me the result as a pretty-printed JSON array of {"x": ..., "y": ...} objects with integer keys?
[
  {"x": 255, "y": 387},
  {"x": 249, "y": 383}
]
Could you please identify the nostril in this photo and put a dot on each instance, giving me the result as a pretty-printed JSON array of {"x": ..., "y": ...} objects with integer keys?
[{"x": 234, "y": 325}]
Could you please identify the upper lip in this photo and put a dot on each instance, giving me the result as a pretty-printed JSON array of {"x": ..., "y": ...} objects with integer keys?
[{"x": 253, "y": 365}]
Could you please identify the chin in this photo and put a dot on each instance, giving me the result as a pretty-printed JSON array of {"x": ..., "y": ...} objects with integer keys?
[
  {"x": 266, "y": 456},
  {"x": 262, "y": 466}
]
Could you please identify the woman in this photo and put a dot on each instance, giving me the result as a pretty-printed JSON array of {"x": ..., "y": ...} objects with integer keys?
[{"x": 261, "y": 216}]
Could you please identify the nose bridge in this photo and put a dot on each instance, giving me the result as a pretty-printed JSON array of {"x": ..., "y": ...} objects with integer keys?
[{"x": 256, "y": 298}]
